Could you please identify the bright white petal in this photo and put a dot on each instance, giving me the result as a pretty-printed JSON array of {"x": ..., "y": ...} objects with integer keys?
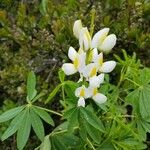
[
  {"x": 72, "y": 54},
  {"x": 101, "y": 78},
  {"x": 100, "y": 98},
  {"x": 85, "y": 39},
  {"x": 77, "y": 28},
  {"x": 108, "y": 66},
  {"x": 99, "y": 37},
  {"x": 69, "y": 68},
  {"x": 99, "y": 59},
  {"x": 87, "y": 71},
  {"x": 78, "y": 91},
  {"x": 81, "y": 102},
  {"x": 94, "y": 54},
  {"x": 81, "y": 58},
  {"x": 94, "y": 81},
  {"x": 108, "y": 43}
]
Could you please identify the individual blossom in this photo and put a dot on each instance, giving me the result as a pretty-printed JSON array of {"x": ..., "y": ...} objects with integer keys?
[
  {"x": 83, "y": 93},
  {"x": 85, "y": 39},
  {"x": 95, "y": 81},
  {"x": 102, "y": 41},
  {"x": 96, "y": 96},
  {"x": 78, "y": 62},
  {"x": 104, "y": 67},
  {"x": 77, "y": 28}
]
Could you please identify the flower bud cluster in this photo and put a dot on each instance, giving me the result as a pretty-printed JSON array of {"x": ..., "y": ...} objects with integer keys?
[{"x": 89, "y": 63}]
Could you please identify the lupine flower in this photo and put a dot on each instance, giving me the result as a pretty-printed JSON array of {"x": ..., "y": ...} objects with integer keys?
[
  {"x": 95, "y": 81},
  {"x": 78, "y": 62},
  {"x": 103, "y": 41},
  {"x": 104, "y": 67},
  {"x": 96, "y": 96},
  {"x": 77, "y": 28},
  {"x": 83, "y": 93},
  {"x": 85, "y": 39}
]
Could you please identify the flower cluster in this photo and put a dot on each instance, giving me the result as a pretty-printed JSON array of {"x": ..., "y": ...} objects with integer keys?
[{"x": 89, "y": 63}]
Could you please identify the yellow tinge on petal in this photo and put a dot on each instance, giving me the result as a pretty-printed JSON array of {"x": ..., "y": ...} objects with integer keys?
[
  {"x": 93, "y": 72},
  {"x": 95, "y": 91},
  {"x": 102, "y": 38},
  {"x": 82, "y": 93},
  {"x": 76, "y": 63},
  {"x": 100, "y": 61}
]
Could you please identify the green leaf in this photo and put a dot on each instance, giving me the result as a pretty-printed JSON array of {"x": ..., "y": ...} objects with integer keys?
[
  {"x": 144, "y": 101},
  {"x": 37, "y": 97},
  {"x": 73, "y": 120},
  {"x": 44, "y": 115},
  {"x": 68, "y": 112},
  {"x": 37, "y": 125},
  {"x": 43, "y": 7},
  {"x": 31, "y": 83},
  {"x": 10, "y": 113},
  {"x": 92, "y": 119},
  {"x": 14, "y": 125},
  {"x": 46, "y": 144},
  {"x": 93, "y": 133},
  {"x": 53, "y": 93},
  {"x": 24, "y": 131},
  {"x": 61, "y": 75}
]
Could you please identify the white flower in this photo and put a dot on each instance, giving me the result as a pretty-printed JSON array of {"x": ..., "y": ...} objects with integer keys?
[
  {"x": 78, "y": 62},
  {"x": 85, "y": 39},
  {"x": 104, "y": 67},
  {"x": 82, "y": 93},
  {"x": 90, "y": 70},
  {"x": 77, "y": 28},
  {"x": 81, "y": 102},
  {"x": 103, "y": 41},
  {"x": 95, "y": 81},
  {"x": 97, "y": 97}
]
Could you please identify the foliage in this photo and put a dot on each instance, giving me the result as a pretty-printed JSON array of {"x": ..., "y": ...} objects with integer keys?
[{"x": 36, "y": 36}]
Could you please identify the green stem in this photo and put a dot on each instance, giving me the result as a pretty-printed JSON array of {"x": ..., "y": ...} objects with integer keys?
[
  {"x": 133, "y": 82},
  {"x": 90, "y": 144},
  {"x": 51, "y": 111}
]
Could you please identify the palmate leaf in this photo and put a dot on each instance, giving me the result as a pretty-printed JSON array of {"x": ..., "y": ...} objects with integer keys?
[
  {"x": 10, "y": 113},
  {"x": 53, "y": 93},
  {"x": 37, "y": 125},
  {"x": 44, "y": 115},
  {"x": 73, "y": 120},
  {"x": 24, "y": 130},
  {"x": 92, "y": 119},
  {"x": 31, "y": 83},
  {"x": 46, "y": 144},
  {"x": 14, "y": 125},
  {"x": 93, "y": 133},
  {"x": 144, "y": 101}
]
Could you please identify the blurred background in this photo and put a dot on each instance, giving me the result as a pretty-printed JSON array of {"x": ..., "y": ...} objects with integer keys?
[{"x": 35, "y": 35}]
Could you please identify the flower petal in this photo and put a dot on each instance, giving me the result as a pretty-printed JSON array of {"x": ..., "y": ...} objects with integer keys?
[
  {"x": 94, "y": 54},
  {"x": 79, "y": 90},
  {"x": 69, "y": 68},
  {"x": 90, "y": 70},
  {"x": 99, "y": 37},
  {"x": 94, "y": 81},
  {"x": 77, "y": 28},
  {"x": 85, "y": 39},
  {"x": 101, "y": 78},
  {"x": 100, "y": 98},
  {"x": 81, "y": 102},
  {"x": 72, "y": 54},
  {"x": 81, "y": 57},
  {"x": 108, "y": 43},
  {"x": 99, "y": 60},
  {"x": 108, "y": 66}
]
